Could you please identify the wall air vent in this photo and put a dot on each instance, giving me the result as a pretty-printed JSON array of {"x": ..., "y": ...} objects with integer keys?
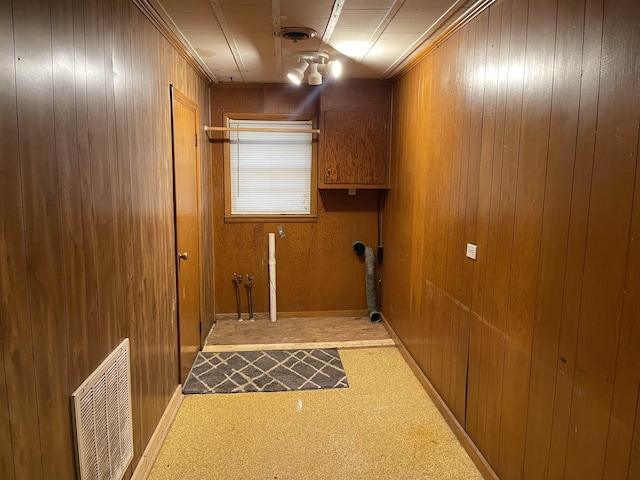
[{"x": 102, "y": 419}]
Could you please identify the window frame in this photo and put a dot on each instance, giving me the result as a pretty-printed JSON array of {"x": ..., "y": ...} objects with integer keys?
[{"x": 270, "y": 218}]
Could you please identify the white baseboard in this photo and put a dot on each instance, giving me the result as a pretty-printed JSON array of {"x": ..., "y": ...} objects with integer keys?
[{"x": 143, "y": 469}]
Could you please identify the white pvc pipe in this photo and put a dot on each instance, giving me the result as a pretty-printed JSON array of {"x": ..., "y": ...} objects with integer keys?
[{"x": 272, "y": 277}]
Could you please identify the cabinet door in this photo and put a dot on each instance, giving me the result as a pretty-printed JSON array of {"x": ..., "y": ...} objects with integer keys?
[{"x": 356, "y": 148}]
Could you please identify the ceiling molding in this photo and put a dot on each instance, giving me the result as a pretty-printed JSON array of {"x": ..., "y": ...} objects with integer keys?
[
  {"x": 166, "y": 28},
  {"x": 333, "y": 20},
  {"x": 277, "y": 41},
  {"x": 228, "y": 36},
  {"x": 413, "y": 55}
]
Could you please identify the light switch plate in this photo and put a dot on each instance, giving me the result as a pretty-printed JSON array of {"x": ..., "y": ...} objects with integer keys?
[{"x": 472, "y": 251}]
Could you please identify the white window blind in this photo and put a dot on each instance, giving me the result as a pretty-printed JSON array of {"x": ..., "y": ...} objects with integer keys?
[{"x": 270, "y": 171}]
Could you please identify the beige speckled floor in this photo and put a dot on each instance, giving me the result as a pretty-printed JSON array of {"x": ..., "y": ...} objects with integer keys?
[{"x": 383, "y": 427}]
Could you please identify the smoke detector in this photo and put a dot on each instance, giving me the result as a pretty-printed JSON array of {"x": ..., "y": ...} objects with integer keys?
[{"x": 295, "y": 34}]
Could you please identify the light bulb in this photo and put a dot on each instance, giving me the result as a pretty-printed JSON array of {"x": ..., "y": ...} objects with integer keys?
[
  {"x": 314, "y": 77},
  {"x": 334, "y": 67},
  {"x": 297, "y": 74}
]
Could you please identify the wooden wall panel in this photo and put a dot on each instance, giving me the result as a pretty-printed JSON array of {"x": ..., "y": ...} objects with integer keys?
[
  {"x": 317, "y": 270},
  {"x": 565, "y": 104},
  {"x": 607, "y": 247},
  {"x": 489, "y": 165},
  {"x": 7, "y": 469},
  {"x": 402, "y": 255},
  {"x": 498, "y": 248},
  {"x": 551, "y": 302},
  {"x": 15, "y": 320},
  {"x": 530, "y": 189},
  {"x": 87, "y": 238},
  {"x": 474, "y": 220},
  {"x": 43, "y": 242},
  {"x": 577, "y": 235}
]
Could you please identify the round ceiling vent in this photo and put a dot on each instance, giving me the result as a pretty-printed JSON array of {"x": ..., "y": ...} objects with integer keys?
[{"x": 295, "y": 34}]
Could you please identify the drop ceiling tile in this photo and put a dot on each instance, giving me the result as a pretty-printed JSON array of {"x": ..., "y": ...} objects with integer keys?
[
  {"x": 406, "y": 39},
  {"x": 246, "y": 2},
  {"x": 384, "y": 53},
  {"x": 410, "y": 25},
  {"x": 251, "y": 31},
  {"x": 193, "y": 6},
  {"x": 255, "y": 43},
  {"x": 361, "y": 18},
  {"x": 195, "y": 21},
  {"x": 222, "y": 63},
  {"x": 257, "y": 52},
  {"x": 351, "y": 33},
  {"x": 296, "y": 8},
  {"x": 206, "y": 49},
  {"x": 250, "y": 15},
  {"x": 256, "y": 63},
  {"x": 207, "y": 36},
  {"x": 441, "y": 4},
  {"x": 368, "y": 4},
  {"x": 423, "y": 9}
]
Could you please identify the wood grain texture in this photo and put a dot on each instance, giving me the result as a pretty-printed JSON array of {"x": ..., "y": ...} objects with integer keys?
[
  {"x": 321, "y": 329},
  {"x": 18, "y": 459},
  {"x": 317, "y": 270},
  {"x": 347, "y": 159},
  {"x": 474, "y": 219},
  {"x": 532, "y": 159},
  {"x": 607, "y": 246},
  {"x": 186, "y": 171},
  {"x": 574, "y": 270},
  {"x": 565, "y": 104},
  {"x": 7, "y": 469},
  {"x": 87, "y": 239},
  {"x": 497, "y": 249},
  {"x": 550, "y": 381},
  {"x": 43, "y": 242},
  {"x": 353, "y": 149}
]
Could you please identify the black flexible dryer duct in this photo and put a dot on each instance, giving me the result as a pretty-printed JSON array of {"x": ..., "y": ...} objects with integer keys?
[{"x": 372, "y": 297}]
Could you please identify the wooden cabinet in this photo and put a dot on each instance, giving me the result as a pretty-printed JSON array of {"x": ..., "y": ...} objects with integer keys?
[{"x": 355, "y": 127}]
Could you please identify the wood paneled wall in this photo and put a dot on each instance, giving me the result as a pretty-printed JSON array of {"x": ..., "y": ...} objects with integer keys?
[
  {"x": 316, "y": 268},
  {"x": 87, "y": 252},
  {"x": 520, "y": 134}
]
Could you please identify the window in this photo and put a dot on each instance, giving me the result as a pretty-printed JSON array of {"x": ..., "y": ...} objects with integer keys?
[{"x": 270, "y": 173}]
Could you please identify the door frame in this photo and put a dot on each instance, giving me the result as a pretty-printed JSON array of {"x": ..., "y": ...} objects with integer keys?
[{"x": 177, "y": 96}]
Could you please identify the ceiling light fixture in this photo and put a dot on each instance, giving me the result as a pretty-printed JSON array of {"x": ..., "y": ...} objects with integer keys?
[{"x": 320, "y": 65}]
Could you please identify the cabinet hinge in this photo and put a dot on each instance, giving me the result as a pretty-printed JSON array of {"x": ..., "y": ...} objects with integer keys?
[{"x": 196, "y": 139}]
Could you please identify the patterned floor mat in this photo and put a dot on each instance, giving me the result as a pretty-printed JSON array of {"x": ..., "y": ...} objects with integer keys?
[{"x": 266, "y": 371}]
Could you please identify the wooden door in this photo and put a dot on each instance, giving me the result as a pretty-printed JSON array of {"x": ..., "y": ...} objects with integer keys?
[{"x": 187, "y": 213}]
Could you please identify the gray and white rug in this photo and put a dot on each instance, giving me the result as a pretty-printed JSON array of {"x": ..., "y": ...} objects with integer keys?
[{"x": 266, "y": 371}]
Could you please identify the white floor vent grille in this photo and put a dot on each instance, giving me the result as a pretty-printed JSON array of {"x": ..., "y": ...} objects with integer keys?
[{"x": 102, "y": 419}]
